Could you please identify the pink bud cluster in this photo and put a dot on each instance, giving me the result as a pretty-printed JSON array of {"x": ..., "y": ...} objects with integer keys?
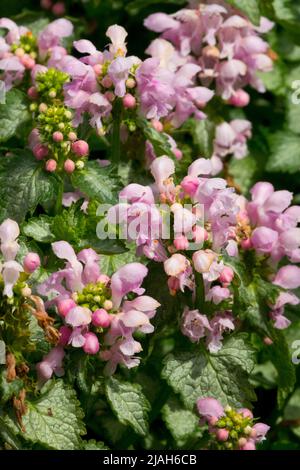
[
  {"x": 95, "y": 312},
  {"x": 21, "y": 52},
  {"x": 230, "y": 429}
]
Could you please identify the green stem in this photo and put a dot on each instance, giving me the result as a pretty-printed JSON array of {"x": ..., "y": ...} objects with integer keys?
[
  {"x": 58, "y": 202},
  {"x": 115, "y": 138},
  {"x": 200, "y": 291}
]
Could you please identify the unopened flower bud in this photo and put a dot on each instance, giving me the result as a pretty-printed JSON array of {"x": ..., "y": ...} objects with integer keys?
[
  {"x": 43, "y": 108},
  {"x": 40, "y": 151},
  {"x": 31, "y": 262},
  {"x": 200, "y": 235},
  {"x": 64, "y": 306},
  {"x": 28, "y": 61},
  {"x": 51, "y": 165},
  {"x": 242, "y": 441},
  {"x": 52, "y": 94},
  {"x": 26, "y": 291},
  {"x": 68, "y": 114},
  {"x": 110, "y": 96},
  {"x": 19, "y": 52},
  {"x": 222, "y": 435},
  {"x": 249, "y": 446},
  {"x": 91, "y": 345},
  {"x": 181, "y": 243},
  {"x": 72, "y": 136},
  {"x": 108, "y": 305},
  {"x": 104, "y": 279},
  {"x": 246, "y": 244},
  {"x": 211, "y": 51},
  {"x": 129, "y": 101},
  {"x": 58, "y": 136},
  {"x": 268, "y": 341},
  {"x": 202, "y": 260},
  {"x": 240, "y": 99},
  {"x": 33, "y": 107},
  {"x": 32, "y": 93},
  {"x": 106, "y": 82},
  {"x": 130, "y": 83},
  {"x": 101, "y": 318},
  {"x": 190, "y": 185},
  {"x": 69, "y": 166},
  {"x": 157, "y": 125},
  {"x": 79, "y": 165},
  {"x": 98, "y": 69},
  {"x": 178, "y": 154},
  {"x": 226, "y": 276},
  {"x": 80, "y": 148},
  {"x": 58, "y": 9},
  {"x": 65, "y": 333}
]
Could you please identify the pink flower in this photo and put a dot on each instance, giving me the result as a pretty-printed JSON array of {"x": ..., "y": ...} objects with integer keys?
[
  {"x": 264, "y": 239},
  {"x": 162, "y": 168},
  {"x": 117, "y": 35},
  {"x": 127, "y": 279},
  {"x": 210, "y": 408},
  {"x": 52, "y": 364},
  {"x": 219, "y": 324},
  {"x": 119, "y": 71},
  {"x": 194, "y": 324},
  {"x": 9, "y": 232},
  {"x": 218, "y": 294},
  {"x": 288, "y": 277},
  {"x": 51, "y": 35},
  {"x": 31, "y": 262},
  {"x": 91, "y": 345}
]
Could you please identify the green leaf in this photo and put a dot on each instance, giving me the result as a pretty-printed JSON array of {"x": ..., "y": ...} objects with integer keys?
[
  {"x": 9, "y": 389},
  {"x": 159, "y": 140},
  {"x": 285, "y": 152},
  {"x": 40, "y": 229},
  {"x": 244, "y": 172},
  {"x": 94, "y": 445},
  {"x": 223, "y": 375},
  {"x": 252, "y": 295},
  {"x": 97, "y": 182},
  {"x": 109, "y": 264},
  {"x": 249, "y": 7},
  {"x": 279, "y": 354},
  {"x": 135, "y": 6},
  {"x": 287, "y": 13},
  {"x": 203, "y": 133},
  {"x": 54, "y": 420},
  {"x": 275, "y": 81},
  {"x": 183, "y": 424},
  {"x": 2, "y": 352},
  {"x": 23, "y": 185},
  {"x": 13, "y": 114},
  {"x": 70, "y": 224},
  {"x": 129, "y": 404}
]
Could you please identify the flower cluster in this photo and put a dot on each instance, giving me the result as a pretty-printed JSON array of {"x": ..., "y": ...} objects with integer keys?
[
  {"x": 11, "y": 278},
  {"x": 202, "y": 212},
  {"x": 275, "y": 234},
  {"x": 93, "y": 306},
  {"x": 230, "y": 429},
  {"x": 21, "y": 50},
  {"x": 100, "y": 79},
  {"x": 225, "y": 46}
]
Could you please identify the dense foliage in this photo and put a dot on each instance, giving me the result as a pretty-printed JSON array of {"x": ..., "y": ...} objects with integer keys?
[{"x": 150, "y": 248}]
